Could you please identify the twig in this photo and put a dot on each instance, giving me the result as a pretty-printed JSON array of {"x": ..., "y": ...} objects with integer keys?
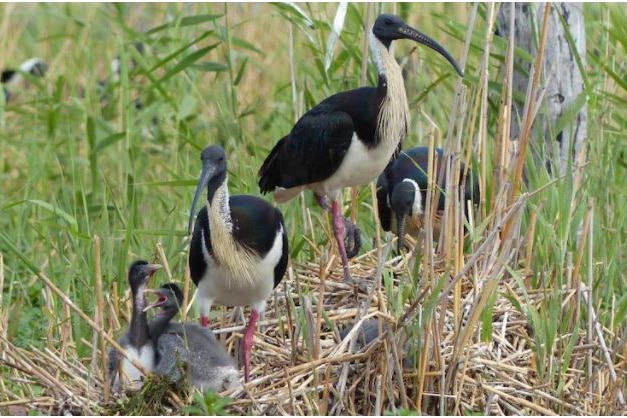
[
  {"x": 90, "y": 322},
  {"x": 606, "y": 353}
]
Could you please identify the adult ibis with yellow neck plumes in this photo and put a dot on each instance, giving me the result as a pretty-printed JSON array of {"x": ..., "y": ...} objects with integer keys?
[
  {"x": 239, "y": 249},
  {"x": 348, "y": 138}
]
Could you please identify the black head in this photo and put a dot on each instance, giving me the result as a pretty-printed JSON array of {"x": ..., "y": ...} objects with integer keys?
[
  {"x": 213, "y": 174},
  {"x": 140, "y": 272},
  {"x": 402, "y": 201},
  {"x": 7, "y": 75},
  {"x": 34, "y": 66},
  {"x": 169, "y": 298},
  {"x": 388, "y": 28}
]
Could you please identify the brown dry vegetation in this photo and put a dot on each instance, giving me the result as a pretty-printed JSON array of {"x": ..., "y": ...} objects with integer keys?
[{"x": 495, "y": 322}]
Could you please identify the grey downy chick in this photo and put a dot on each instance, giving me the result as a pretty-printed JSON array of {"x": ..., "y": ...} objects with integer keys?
[
  {"x": 136, "y": 341},
  {"x": 188, "y": 347},
  {"x": 369, "y": 332}
]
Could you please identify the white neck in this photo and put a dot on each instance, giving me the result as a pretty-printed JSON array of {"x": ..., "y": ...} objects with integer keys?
[{"x": 416, "y": 209}]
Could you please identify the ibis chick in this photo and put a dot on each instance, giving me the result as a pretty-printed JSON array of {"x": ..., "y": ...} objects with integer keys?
[
  {"x": 348, "y": 138},
  {"x": 136, "y": 342},
  {"x": 402, "y": 191},
  {"x": 239, "y": 250},
  {"x": 188, "y": 347}
]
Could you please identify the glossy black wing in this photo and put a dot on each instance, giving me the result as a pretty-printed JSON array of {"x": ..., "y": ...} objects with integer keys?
[
  {"x": 279, "y": 270},
  {"x": 312, "y": 151},
  {"x": 256, "y": 223},
  {"x": 197, "y": 263},
  {"x": 318, "y": 143}
]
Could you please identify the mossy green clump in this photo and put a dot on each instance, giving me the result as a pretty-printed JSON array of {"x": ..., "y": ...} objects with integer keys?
[{"x": 157, "y": 396}]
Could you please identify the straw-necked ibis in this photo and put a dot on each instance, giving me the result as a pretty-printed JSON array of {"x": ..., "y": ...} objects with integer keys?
[
  {"x": 136, "y": 341},
  {"x": 11, "y": 78},
  {"x": 188, "y": 347},
  {"x": 402, "y": 191},
  {"x": 238, "y": 252},
  {"x": 348, "y": 138}
]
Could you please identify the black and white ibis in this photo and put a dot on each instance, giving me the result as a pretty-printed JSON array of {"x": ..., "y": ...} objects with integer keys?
[
  {"x": 136, "y": 341},
  {"x": 116, "y": 64},
  {"x": 348, "y": 138},
  {"x": 402, "y": 190},
  {"x": 239, "y": 250},
  {"x": 188, "y": 347},
  {"x": 11, "y": 78}
]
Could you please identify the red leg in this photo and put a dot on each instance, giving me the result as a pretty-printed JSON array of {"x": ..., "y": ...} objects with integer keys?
[
  {"x": 249, "y": 333},
  {"x": 339, "y": 229}
]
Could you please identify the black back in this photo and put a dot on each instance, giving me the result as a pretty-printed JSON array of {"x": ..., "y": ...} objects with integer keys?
[{"x": 414, "y": 164}]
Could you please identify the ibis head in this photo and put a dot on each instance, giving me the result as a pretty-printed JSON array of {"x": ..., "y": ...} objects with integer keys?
[
  {"x": 213, "y": 174},
  {"x": 169, "y": 299},
  {"x": 403, "y": 202},
  {"x": 388, "y": 28},
  {"x": 140, "y": 272}
]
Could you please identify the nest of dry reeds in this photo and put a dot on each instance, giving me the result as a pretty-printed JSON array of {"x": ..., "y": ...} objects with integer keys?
[{"x": 301, "y": 366}]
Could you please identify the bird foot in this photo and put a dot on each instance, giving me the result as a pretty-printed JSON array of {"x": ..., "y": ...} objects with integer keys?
[
  {"x": 357, "y": 282},
  {"x": 352, "y": 239}
]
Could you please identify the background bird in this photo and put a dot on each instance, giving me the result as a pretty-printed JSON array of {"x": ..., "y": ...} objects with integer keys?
[
  {"x": 348, "y": 138},
  {"x": 136, "y": 341},
  {"x": 402, "y": 191},
  {"x": 12, "y": 79},
  {"x": 239, "y": 249},
  {"x": 372, "y": 329},
  {"x": 188, "y": 348}
]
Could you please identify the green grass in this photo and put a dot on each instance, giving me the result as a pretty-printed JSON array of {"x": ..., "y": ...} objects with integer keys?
[{"x": 73, "y": 167}]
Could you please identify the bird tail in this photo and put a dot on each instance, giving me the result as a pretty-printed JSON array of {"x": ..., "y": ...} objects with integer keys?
[{"x": 269, "y": 172}]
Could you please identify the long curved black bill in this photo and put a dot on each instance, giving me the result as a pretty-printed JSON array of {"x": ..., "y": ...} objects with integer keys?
[
  {"x": 410, "y": 33},
  {"x": 205, "y": 175},
  {"x": 400, "y": 232}
]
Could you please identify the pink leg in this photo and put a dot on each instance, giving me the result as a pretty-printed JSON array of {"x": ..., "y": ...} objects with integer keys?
[
  {"x": 338, "y": 227},
  {"x": 249, "y": 333},
  {"x": 204, "y": 322}
]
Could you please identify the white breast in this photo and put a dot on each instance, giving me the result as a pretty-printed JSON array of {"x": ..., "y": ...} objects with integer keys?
[
  {"x": 361, "y": 165},
  {"x": 145, "y": 356},
  {"x": 222, "y": 287}
]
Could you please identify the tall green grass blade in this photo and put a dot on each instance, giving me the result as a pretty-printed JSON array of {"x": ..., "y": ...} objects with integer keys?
[
  {"x": 55, "y": 211},
  {"x": 336, "y": 30},
  {"x": 184, "y": 22}
]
